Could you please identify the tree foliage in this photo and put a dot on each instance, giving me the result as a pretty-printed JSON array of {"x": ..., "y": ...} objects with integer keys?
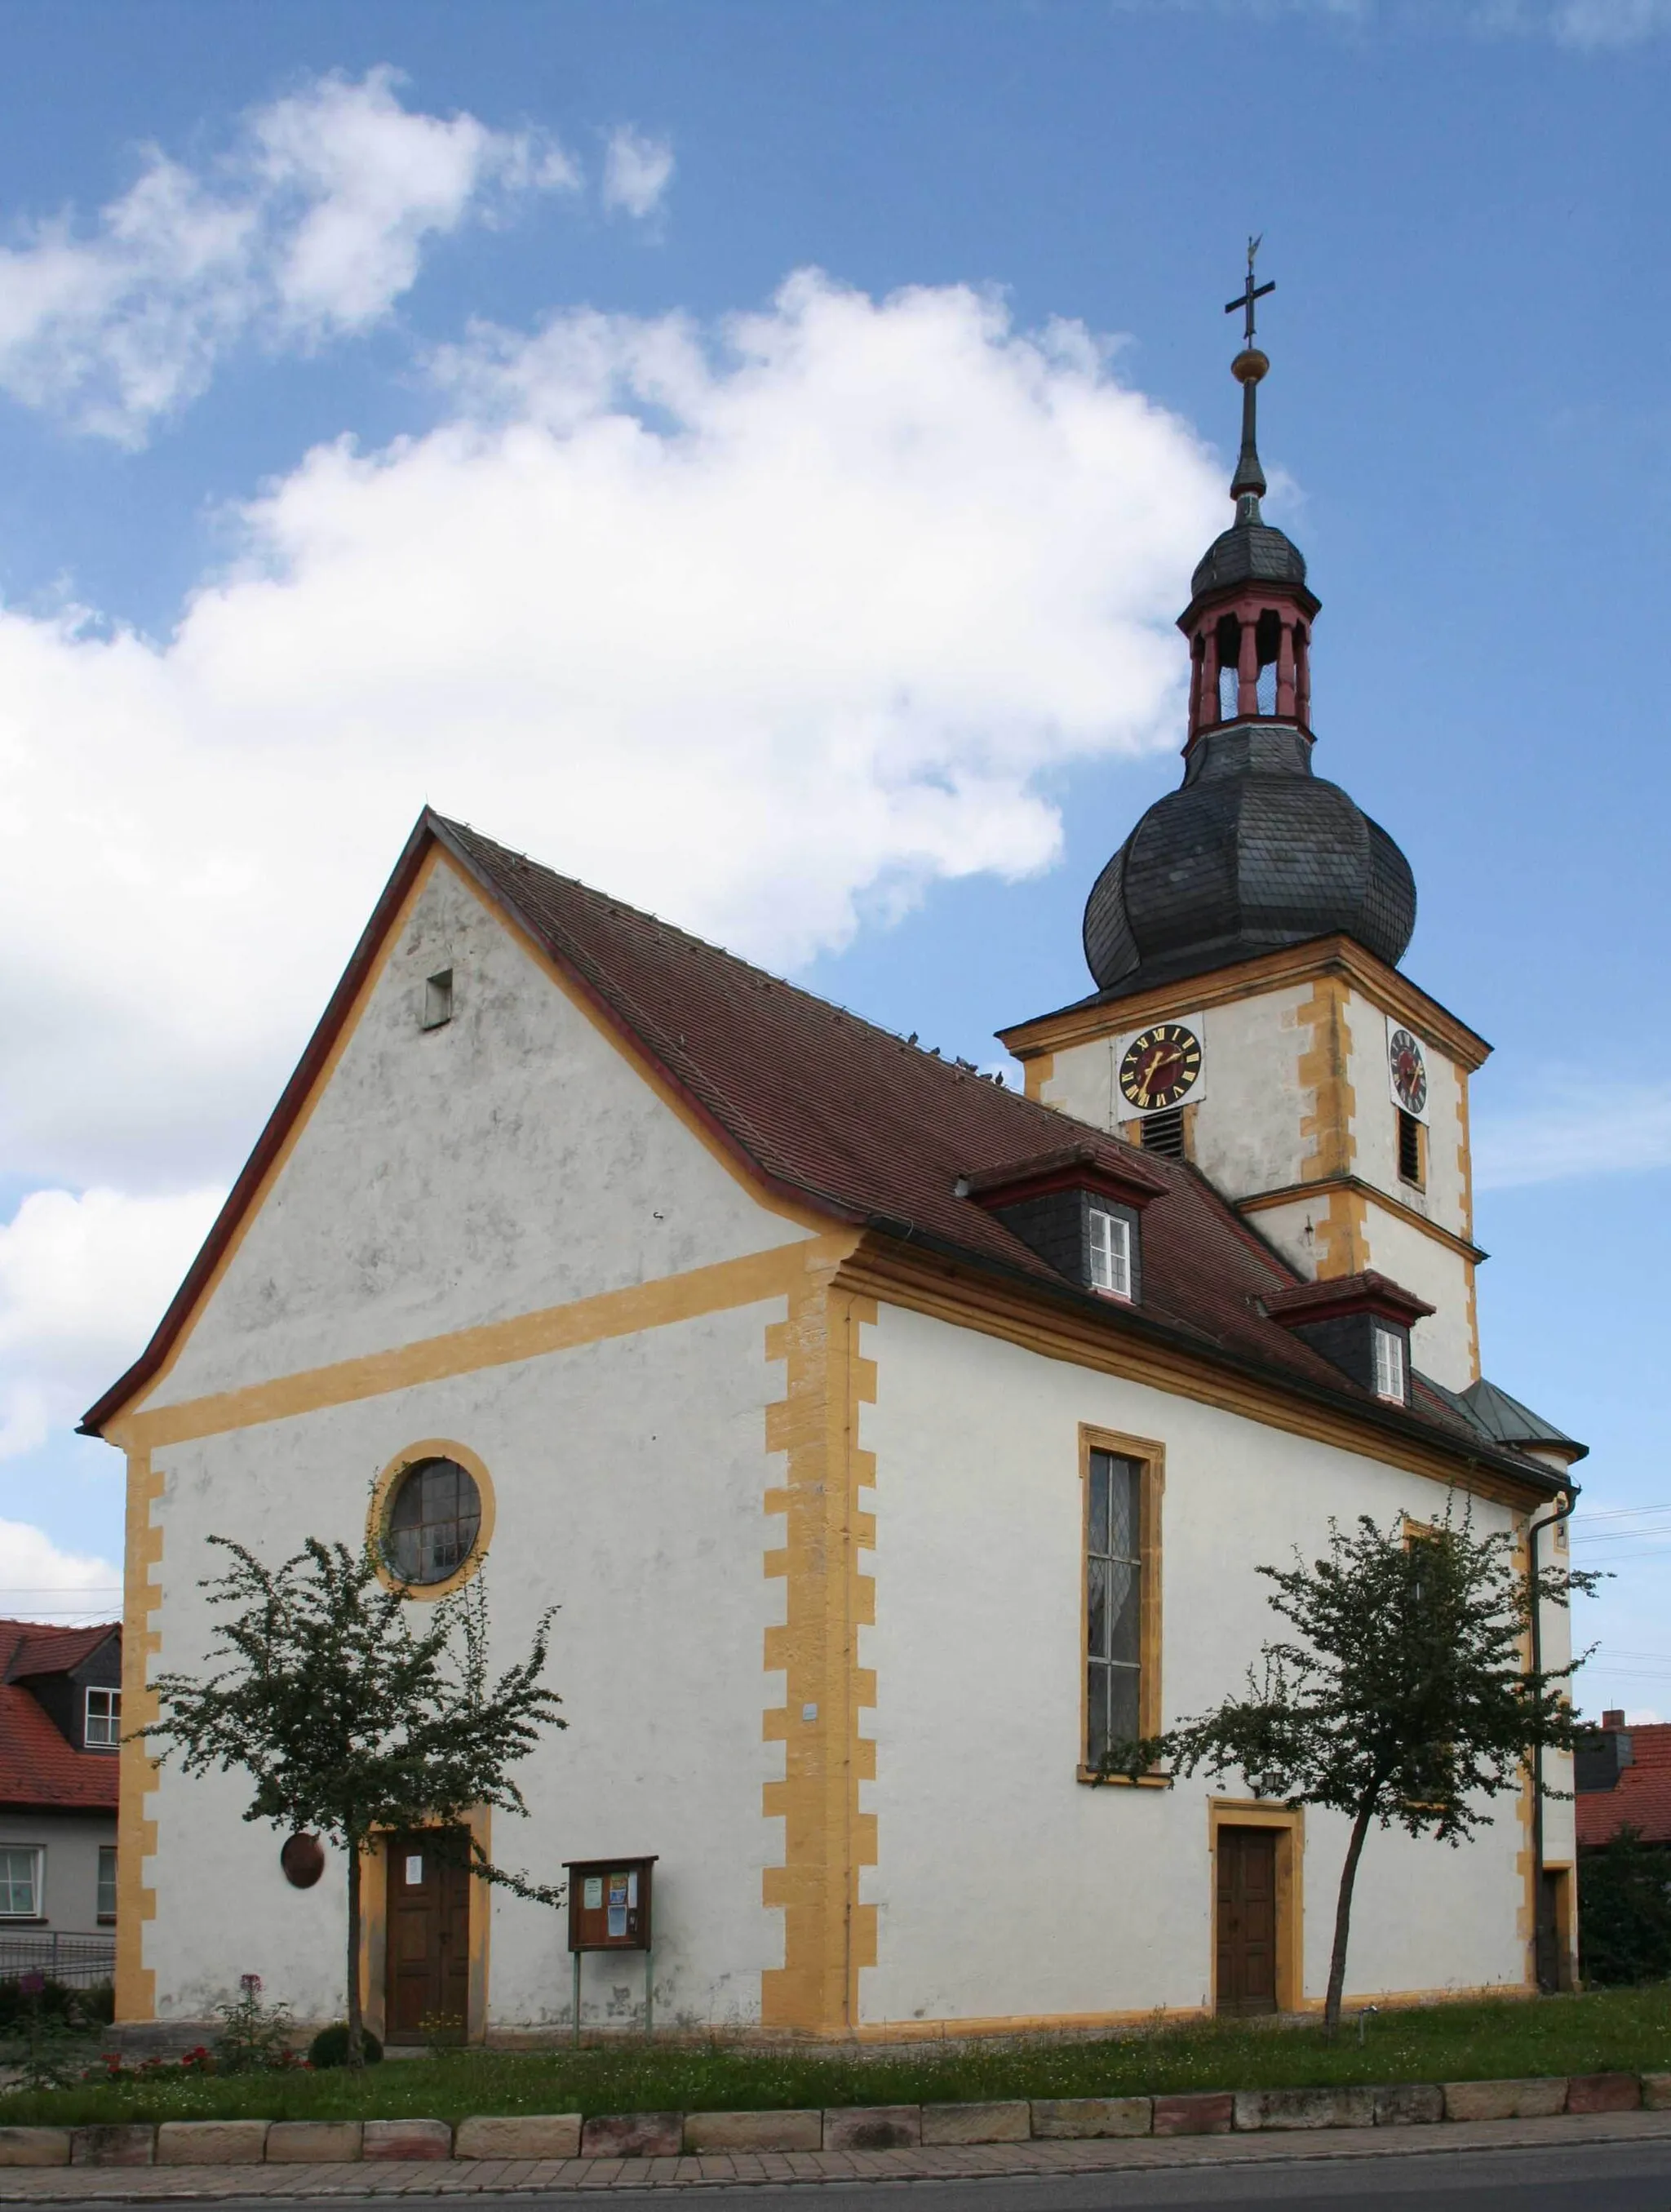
[
  {"x": 1624, "y": 1911},
  {"x": 1404, "y": 1696},
  {"x": 355, "y": 1711}
]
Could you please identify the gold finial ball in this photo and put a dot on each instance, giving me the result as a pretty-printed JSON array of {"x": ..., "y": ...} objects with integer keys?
[{"x": 1249, "y": 366}]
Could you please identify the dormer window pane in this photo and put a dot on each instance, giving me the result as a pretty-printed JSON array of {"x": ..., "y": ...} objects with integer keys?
[
  {"x": 1110, "y": 1252},
  {"x": 1389, "y": 1364},
  {"x": 104, "y": 1720}
]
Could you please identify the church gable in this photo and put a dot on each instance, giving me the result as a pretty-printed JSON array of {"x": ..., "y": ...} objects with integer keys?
[{"x": 477, "y": 1148}]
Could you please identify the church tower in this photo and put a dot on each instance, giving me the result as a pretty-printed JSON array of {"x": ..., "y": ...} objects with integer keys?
[{"x": 1249, "y": 1013}]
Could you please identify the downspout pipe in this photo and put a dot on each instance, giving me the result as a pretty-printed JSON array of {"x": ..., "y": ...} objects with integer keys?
[{"x": 1564, "y": 1508}]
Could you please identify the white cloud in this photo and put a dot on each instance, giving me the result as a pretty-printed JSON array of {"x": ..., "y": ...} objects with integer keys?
[
  {"x": 313, "y": 226},
  {"x": 637, "y": 171},
  {"x": 37, "y": 1582},
  {"x": 83, "y": 1281},
  {"x": 1556, "y": 1143},
  {"x": 754, "y": 627}
]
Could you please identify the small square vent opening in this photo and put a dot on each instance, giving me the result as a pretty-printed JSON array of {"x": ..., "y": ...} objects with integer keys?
[{"x": 438, "y": 999}]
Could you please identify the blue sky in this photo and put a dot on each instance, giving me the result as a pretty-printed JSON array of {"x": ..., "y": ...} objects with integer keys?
[{"x": 314, "y": 341}]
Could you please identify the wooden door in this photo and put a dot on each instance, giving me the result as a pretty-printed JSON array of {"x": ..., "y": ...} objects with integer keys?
[
  {"x": 1246, "y": 1920},
  {"x": 426, "y": 1993}
]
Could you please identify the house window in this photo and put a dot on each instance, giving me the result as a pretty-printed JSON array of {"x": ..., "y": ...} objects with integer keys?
[
  {"x": 438, "y": 999},
  {"x": 433, "y": 1522},
  {"x": 1114, "y": 1604},
  {"x": 1409, "y": 1148},
  {"x": 103, "y": 1727},
  {"x": 1110, "y": 1252},
  {"x": 20, "y": 1882},
  {"x": 106, "y": 1881},
  {"x": 1388, "y": 1364}
]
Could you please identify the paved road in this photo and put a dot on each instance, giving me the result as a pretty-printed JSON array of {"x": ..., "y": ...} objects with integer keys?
[{"x": 1624, "y": 2177}]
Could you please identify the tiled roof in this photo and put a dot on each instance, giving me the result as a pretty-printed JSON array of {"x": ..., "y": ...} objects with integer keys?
[
  {"x": 52, "y": 1650},
  {"x": 1640, "y": 1799},
  {"x": 856, "y": 1123},
  {"x": 38, "y": 1767},
  {"x": 878, "y": 1131}
]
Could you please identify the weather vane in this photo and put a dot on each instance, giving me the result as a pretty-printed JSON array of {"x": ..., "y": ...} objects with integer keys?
[{"x": 1249, "y": 292}]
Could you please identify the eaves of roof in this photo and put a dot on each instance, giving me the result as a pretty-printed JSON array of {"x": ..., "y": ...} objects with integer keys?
[{"x": 857, "y": 1138}]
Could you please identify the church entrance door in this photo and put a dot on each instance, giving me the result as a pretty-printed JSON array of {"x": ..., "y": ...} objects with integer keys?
[
  {"x": 1246, "y": 1920},
  {"x": 427, "y": 1996}
]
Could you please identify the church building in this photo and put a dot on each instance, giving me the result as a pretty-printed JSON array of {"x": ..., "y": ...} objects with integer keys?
[{"x": 892, "y": 1442}]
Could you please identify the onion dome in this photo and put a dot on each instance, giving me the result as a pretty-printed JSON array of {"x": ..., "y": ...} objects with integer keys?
[{"x": 1253, "y": 851}]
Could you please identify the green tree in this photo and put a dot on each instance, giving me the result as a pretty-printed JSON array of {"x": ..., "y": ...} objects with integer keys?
[
  {"x": 355, "y": 1712},
  {"x": 1405, "y": 1698},
  {"x": 1624, "y": 1911}
]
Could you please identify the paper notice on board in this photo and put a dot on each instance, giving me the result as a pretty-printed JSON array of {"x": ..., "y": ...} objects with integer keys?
[
  {"x": 617, "y": 1889},
  {"x": 593, "y": 1900},
  {"x": 617, "y": 1921},
  {"x": 632, "y": 1889},
  {"x": 414, "y": 1872}
]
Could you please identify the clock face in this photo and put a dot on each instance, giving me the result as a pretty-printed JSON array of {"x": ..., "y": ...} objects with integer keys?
[
  {"x": 1160, "y": 1066},
  {"x": 1409, "y": 1070}
]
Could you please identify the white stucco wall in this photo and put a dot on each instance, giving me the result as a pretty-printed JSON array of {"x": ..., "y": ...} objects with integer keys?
[
  {"x": 1444, "y": 1197},
  {"x": 511, "y": 1160},
  {"x": 1250, "y": 1106},
  {"x": 1442, "y": 1344},
  {"x": 629, "y": 1478},
  {"x": 1004, "y": 1887}
]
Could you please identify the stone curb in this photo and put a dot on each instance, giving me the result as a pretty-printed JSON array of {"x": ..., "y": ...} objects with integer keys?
[{"x": 841, "y": 2128}]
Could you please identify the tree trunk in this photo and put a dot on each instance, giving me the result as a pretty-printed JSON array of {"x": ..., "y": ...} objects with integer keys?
[
  {"x": 1337, "y": 1963},
  {"x": 356, "y": 2024}
]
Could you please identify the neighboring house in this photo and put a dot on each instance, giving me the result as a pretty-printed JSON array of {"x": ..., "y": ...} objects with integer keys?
[
  {"x": 891, "y": 1442},
  {"x": 60, "y": 1728},
  {"x": 1622, "y": 1778}
]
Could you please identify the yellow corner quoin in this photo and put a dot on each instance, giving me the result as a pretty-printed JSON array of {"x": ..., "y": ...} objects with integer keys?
[
  {"x": 382, "y": 1500},
  {"x": 136, "y": 1837},
  {"x": 829, "y": 1936}
]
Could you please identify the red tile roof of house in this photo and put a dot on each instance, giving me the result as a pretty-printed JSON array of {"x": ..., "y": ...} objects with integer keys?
[
  {"x": 38, "y": 1767},
  {"x": 1641, "y": 1798},
  {"x": 856, "y": 1123}
]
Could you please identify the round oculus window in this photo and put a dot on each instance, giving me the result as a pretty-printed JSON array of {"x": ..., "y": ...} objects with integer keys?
[{"x": 435, "y": 1518}]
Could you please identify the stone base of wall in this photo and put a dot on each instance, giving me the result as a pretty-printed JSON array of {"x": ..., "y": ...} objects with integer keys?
[{"x": 850, "y": 2127}]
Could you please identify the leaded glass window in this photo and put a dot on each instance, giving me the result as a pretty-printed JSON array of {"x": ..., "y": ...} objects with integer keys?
[
  {"x": 434, "y": 1522},
  {"x": 1113, "y": 1597}
]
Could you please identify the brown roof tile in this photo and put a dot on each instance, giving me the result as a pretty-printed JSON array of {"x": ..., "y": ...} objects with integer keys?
[{"x": 850, "y": 1120}]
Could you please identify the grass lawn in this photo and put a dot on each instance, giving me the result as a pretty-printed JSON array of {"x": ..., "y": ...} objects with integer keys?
[{"x": 1627, "y": 2030}]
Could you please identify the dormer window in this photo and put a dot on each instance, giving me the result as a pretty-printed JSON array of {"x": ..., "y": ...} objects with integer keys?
[
  {"x": 103, "y": 1726},
  {"x": 1389, "y": 1364},
  {"x": 1110, "y": 1252},
  {"x": 1079, "y": 1208},
  {"x": 1359, "y": 1323}
]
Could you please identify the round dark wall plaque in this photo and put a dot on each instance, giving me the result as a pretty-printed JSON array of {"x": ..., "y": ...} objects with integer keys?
[{"x": 303, "y": 1860}]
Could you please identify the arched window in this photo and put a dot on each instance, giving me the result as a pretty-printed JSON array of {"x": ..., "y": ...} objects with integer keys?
[{"x": 435, "y": 1518}]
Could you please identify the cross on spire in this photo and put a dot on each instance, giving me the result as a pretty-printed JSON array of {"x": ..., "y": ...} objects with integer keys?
[{"x": 1249, "y": 292}]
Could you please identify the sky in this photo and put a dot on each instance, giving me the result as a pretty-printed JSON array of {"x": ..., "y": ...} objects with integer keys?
[{"x": 750, "y": 454}]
